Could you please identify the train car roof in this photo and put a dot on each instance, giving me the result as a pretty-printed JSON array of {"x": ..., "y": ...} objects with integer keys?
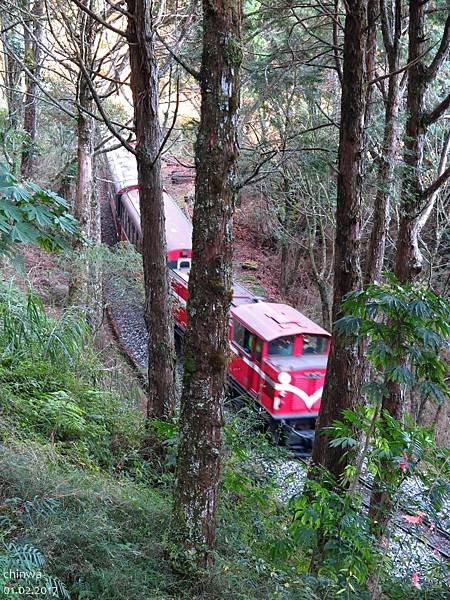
[
  {"x": 123, "y": 167},
  {"x": 178, "y": 226},
  {"x": 271, "y": 320},
  {"x": 240, "y": 294}
]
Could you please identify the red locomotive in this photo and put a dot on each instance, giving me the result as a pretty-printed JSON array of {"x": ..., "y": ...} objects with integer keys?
[{"x": 278, "y": 356}]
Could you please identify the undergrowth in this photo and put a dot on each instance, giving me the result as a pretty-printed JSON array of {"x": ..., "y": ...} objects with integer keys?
[
  {"x": 81, "y": 508},
  {"x": 51, "y": 387}
]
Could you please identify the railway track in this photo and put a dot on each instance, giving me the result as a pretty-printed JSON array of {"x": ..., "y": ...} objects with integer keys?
[{"x": 128, "y": 326}]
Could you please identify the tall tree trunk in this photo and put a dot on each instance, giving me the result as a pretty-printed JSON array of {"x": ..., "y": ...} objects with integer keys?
[
  {"x": 409, "y": 259},
  {"x": 415, "y": 196},
  {"x": 79, "y": 286},
  {"x": 342, "y": 384},
  {"x": 12, "y": 44},
  {"x": 158, "y": 315},
  {"x": 284, "y": 267},
  {"x": 33, "y": 57},
  {"x": 210, "y": 289},
  {"x": 392, "y": 30}
]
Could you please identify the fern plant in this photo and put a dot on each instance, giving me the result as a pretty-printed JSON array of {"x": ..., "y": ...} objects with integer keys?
[
  {"x": 22, "y": 572},
  {"x": 26, "y": 329}
]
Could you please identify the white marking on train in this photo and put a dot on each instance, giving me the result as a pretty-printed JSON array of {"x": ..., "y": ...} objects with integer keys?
[{"x": 284, "y": 385}]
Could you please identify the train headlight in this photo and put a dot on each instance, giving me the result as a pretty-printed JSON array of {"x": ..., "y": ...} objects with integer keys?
[{"x": 284, "y": 378}]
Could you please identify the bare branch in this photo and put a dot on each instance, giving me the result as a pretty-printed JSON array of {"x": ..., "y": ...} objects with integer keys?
[
  {"x": 195, "y": 74},
  {"x": 441, "y": 53},
  {"x": 97, "y": 18},
  {"x": 437, "y": 112},
  {"x": 400, "y": 70},
  {"x": 437, "y": 184}
]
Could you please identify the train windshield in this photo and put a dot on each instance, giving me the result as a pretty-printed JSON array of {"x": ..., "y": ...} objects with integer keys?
[
  {"x": 282, "y": 346},
  {"x": 315, "y": 344}
]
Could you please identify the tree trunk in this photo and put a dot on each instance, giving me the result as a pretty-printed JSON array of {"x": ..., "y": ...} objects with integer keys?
[
  {"x": 409, "y": 259},
  {"x": 342, "y": 384},
  {"x": 33, "y": 57},
  {"x": 11, "y": 41},
  {"x": 80, "y": 288},
  {"x": 158, "y": 315},
  {"x": 193, "y": 528},
  {"x": 284, "y": 267},
  {"x": 382, "y": 210}
]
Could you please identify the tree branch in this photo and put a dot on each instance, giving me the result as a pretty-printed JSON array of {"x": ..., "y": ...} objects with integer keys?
[
  {"x": 400, "y": 70},
  {"x": 96, "y": 17},
  {"x": 441, "y": 53},
  {"x": 437, "y": 112},
  {"x": 101, "y": 110},
  {"x": 439, "y": 182},
  {"x": 195, "y": 74}
]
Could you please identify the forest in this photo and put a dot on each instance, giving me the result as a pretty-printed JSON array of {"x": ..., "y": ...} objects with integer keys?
[{"x": 224, "y": 309}]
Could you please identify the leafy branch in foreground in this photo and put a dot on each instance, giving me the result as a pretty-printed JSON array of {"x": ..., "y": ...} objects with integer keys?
[
  {"x": 30, "y": 214},
  {"x": 406, "y": 328}
]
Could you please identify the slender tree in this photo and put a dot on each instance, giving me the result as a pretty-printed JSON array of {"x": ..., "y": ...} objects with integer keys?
[
  {"x": 83, "y": 34},
  {"x": 391, "y": 27},
  {"x": 343, "y": 379},
  {"x": 33, "y": 57},
  {"x": 193, "y": 527},
  {"x": 12, "y": 46},
  {"x": 415, "y": 195},
  {"x": 158, "y": 316},
  {"x": 416, "y": 202}
]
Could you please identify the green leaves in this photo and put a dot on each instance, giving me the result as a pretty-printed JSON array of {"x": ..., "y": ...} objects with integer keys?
[
  {"x": 29, "y": 214},
  {"x": 406, "y": 327}
]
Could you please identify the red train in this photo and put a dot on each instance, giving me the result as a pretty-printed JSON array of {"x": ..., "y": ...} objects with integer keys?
[{"x": 278, "y": 356}]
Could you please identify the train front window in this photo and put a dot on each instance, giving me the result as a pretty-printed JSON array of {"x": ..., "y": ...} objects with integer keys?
[
  {"x": 315, "y": 344},
  {"x": 282, "y": 346}
]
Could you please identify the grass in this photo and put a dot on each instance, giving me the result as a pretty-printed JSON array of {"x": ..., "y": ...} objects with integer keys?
[
  {"x": 99, "y": 534},
  {"x": 78, "y": 501}
]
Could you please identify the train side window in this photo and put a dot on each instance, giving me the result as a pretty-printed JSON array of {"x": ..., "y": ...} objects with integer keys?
[
  {"x": 242, "y": 337},
  {"x": 258, "y": 349},
  {"x": 184, "y": 263},
  {"x": 119, "y": 205}
]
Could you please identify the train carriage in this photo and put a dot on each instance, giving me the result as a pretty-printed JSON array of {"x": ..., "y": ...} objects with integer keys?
[
  {"x": 278, "y": 356},
  {"x": 126, "y": 213}
]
